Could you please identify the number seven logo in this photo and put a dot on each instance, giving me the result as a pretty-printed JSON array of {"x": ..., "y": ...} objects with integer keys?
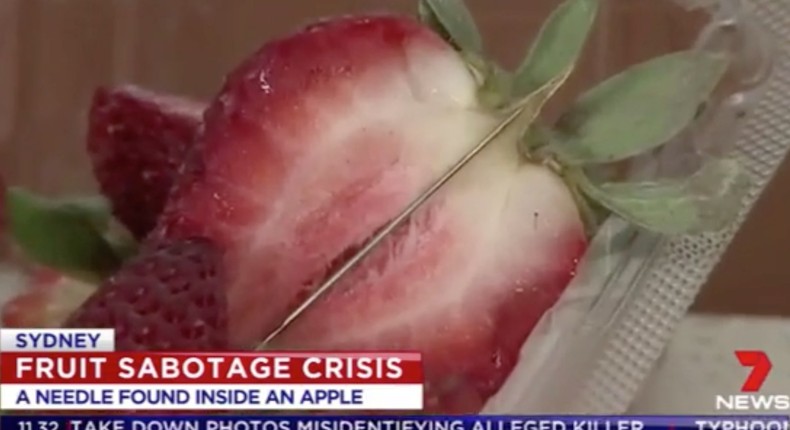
[{"x": 760, "y": 365}]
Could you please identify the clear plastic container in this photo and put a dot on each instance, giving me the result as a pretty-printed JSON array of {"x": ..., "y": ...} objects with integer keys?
[{"x": 588, "y": 355}]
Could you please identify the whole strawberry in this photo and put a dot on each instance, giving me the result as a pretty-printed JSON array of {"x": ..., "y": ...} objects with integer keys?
[
  {"x": 170, "y": 298},
  {"x": 137, "y": 140}
]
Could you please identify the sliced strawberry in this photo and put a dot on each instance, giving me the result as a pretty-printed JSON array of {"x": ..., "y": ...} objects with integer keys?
[
  {"x": 46, "y": 300},
  {"x": 137, "y": 140},
  {"x": 322, "y": 137},
  {"x": 169, "y": 298}
]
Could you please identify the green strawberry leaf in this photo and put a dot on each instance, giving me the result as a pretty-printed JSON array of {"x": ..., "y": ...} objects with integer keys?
[
  {"x": 637, "y": 110},
  {"x": 96, "y": 209},
  {"x": 558, "y": 46},
  {"x": 64, "y": 235},
  {"x": 453, "y": 21},
  {"x": 708, "y": 200}
]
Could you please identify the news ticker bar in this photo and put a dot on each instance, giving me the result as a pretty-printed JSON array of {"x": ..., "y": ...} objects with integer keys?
[{"x": 250, "y": 422}]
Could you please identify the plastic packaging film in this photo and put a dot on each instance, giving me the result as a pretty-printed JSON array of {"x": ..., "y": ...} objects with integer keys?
[
  {"x": 606, "y": 335},
  {"x": 591, "y": 353}
]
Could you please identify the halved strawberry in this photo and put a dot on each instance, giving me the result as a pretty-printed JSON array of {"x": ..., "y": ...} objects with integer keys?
[
  {"x": 137, "y": 139},
  {"x": 170, "y": 298},
  {"x": 322, "y": 137}
]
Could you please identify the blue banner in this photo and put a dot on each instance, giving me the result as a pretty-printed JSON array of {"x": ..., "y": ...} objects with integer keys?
[
  {"x": 307, "y": 422},
  {"x": 220, "y": 422}
]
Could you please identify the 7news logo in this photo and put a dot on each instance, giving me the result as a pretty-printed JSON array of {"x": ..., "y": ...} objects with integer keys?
[{"x": 750, "y": 400}]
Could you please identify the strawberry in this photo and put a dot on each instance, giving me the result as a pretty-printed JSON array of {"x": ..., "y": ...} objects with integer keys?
[
  {"x": 46, "y": 300},
  {"x": 137, "y": 139},
  {"x": 322, "y": 137},
  {"x": 169, "y": 298}
]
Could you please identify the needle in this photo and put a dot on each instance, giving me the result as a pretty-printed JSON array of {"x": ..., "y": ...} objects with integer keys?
[{"x": 389, "y": 228}]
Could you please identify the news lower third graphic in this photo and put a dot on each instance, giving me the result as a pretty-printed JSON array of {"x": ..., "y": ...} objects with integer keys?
[
  {"x": 73, "y": 370},
  {"x": 79, "y": 371},
  {"x": 750, "y": 397}
]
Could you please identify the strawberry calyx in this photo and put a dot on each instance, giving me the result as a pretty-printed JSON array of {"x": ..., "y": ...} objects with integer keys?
[{"x": 631, "y": 113}]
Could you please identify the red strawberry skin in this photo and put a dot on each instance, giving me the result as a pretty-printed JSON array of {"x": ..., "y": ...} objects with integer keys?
[
  {"x": 137, "y": 140},
  {"x": 170, "y": 298},
  {"x": 322, "y": 137}
]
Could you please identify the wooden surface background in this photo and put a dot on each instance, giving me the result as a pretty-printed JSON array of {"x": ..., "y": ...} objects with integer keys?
[{"x": 53, "y": 54}]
